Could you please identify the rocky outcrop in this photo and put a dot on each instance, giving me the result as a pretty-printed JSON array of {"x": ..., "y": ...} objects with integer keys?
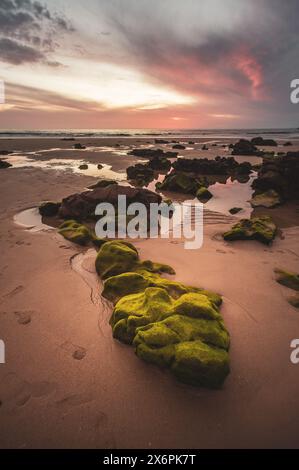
[
  {"x": 264, "y": 142},
  {"x": 245, "y": 147},
  {"x": 180, "y": 182},
  {"x": 152, "y": 153},
  {"x": 267, "y": 199},
  {"x": 81, "y": 206},
  {"x": 280, "y": 174},
  {"x": 4, "y": 164},
  {"x": 218, "y": 166},
  {"x": 178, "y": 147},
  {"x": 261, "y": 229},
  {"x": 142, "y": 174},
  {"x": 159, "y": 164},
  {"x": 49, "y": 208},
  {"x": 79, "y": 146}
]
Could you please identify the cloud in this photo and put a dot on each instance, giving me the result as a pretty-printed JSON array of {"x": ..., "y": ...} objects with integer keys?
[
  {"x": 28, "y": 30},
  {"x": 16, "y": 53}
]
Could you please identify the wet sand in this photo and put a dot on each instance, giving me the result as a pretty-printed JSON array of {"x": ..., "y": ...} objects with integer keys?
[{"x": 68, "y": 383}]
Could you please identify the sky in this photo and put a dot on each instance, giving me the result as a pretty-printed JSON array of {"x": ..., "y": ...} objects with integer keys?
[{"x": 102, "y": 64}]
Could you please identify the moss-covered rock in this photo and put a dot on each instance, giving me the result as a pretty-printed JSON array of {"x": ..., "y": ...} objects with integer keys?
[
  {"x": 127, "y": 283},
  {"x": 156, "y": 267},
  {"x": 198, "y": 363},
  {"x": 186, "y": 335},
  {"x": 75, "y": 232},
  {"x": 179, "y": 182},
  {"x": 116, "y": 257},
  {"x": 267, "y": 199},
  {"x": 287, "y": 279},
  {"x": 79, "y": 234},
  {"x": 262, "y": 229},
  {"x": 203, "y": 194}
]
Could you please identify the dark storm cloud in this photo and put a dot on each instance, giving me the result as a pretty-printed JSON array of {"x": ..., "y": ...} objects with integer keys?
[
  {"x": 27, "y": 27},
  {"x": 16, "y": 53}
]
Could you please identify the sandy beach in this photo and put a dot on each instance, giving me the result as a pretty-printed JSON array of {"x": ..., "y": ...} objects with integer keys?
[{"x": 66, "y": 381}]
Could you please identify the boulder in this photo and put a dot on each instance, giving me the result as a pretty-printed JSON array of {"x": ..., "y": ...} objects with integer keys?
[
  {"x": 203, "y": 194},
  {"x": 245, "y": 147},
  {"x": 261, "y": 229},
  {"x": 140, "y": 173},
  {"x": 49, "y": 208},
  {"x": 281, "y": 174},
  {"x": 218, "y": 166},
  {"x": 79, "y": 146},
  {"x": 82, "y": 206},
  {"x": 287, "y": 278},
  {"x": 4, "y": 164},
  {"x": 152, "y": 153},
  {"x": 159, "y": 164},
  {"x": 100, "y": 166},
  {"x": 116, "y": 257},
  {"x": 179, "y": 182},
  {"x": 178, "y": 147},
  {"x": 102, "y": 184},
  {"x": 287, "y": 144},
  {"x": 268, "y": 199},
  {"x": 186, "y": 335},
  {"x": 235, "y": 210},
  {"x": 84, "y": 166},
  {"x": 80, "y": 234},
  {"x": 264, "y": 142},
  {"x": 161, "y": 141}
]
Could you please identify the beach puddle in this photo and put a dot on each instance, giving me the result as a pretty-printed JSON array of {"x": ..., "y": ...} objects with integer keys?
[
  {"x": 31, "y": 220},
  {"x": 60, "y": 164}
]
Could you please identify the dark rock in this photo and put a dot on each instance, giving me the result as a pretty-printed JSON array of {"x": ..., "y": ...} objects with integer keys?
[
  {"x": 100, "y": 166},
  {"x": 180, "y": 182},
  {"x": 4, "y": 152},
  {"x": 152, "y": 153},
  {"x": 102, "y": 184},
  {"x": 49, "y": 209},
  {"x": 140, "y": 173},
  {"x": 235, "y": 210},
  {"x": 191, "y": 142},
  {"x": 218, "y": 166},
  {"x": 161, "y": 141},
  {"x": 84, "y": 166},
  {"x": 280, "y": 174},
  {"x": 204, "y": 147},
  {"x": 159, "y": 164},
  {"x": 68, "y": 138},
  {"x": 178, "y": 147},
  {"x": 4, "y": 164},
  {"x": 79, "y": 146},
  {"x": 81, "y": 206},
  {"x": 287, "y": 144},
  {"x": 245, "y": 147},
  {"x": 264, "y": 142}
]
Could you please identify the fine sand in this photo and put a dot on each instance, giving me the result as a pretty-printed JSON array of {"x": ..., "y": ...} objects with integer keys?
[{"x": 68, "y": 383}]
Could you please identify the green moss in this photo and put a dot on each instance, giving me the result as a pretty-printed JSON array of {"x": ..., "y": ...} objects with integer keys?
[
  {"x": 177, "y": 328},
  {"x": 118, "y": 286},
  {"x": 268, "y": 199},
  {"x": 75, "y": 232},
  {"x": 198, "y": 363},
  {"x": 179, "y": 182},
  {"x": 158, "y": 326},
  {"x": 262, "y": 229},
  {"x": 287, "y": 279},
  {"x": 156, "y": 267},
  {"x": 140, "y": 309},
  {"x": 203, "y": 194},
  {"x": 80, "y": 234},
  {"x": 196, "y": 305},
  {"x": 115, "y": 257}
]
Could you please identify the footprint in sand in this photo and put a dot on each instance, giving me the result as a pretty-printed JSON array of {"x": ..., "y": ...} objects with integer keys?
[
  {"x": 77, "y": 352},
  {"x": 17, "y": 392},
  {"x": 24, "y": 317}
]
